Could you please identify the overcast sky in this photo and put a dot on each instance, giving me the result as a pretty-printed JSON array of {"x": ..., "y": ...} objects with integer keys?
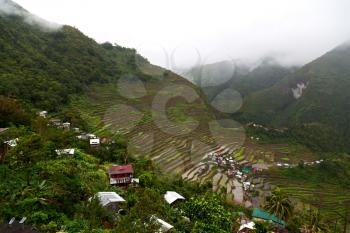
[{"x": 182, "y": 32}]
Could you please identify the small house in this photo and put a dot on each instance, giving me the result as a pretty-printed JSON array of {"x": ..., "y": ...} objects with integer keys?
[
  {"x": 109, "y": 199},
  {"x": 172, "y": 197},
  {"x": 69, "y": 152},
  {"x": 121, "y": 175},
  {"x": 66, "y": 125},
  {"x": 15, "y": 226},
  {"x": 55, "y": 122},
  {"x": 43, "y": 114},
  {"x": 12, "y": 142},
  {"x": 94, "y": 142},
  {"x": 164, "y": 226},
  {"x": 246, "y": 227},
  {"x": 259, "y": 167}
]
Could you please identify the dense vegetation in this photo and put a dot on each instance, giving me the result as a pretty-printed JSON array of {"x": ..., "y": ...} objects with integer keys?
[
  {"x": 320, "y": 117},
  {"x": 43, "y": 67},
  {"x": 53, "y": 190}
]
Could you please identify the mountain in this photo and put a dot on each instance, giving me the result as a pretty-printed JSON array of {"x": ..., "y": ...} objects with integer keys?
[
  {"x": 43, "y": 63},
  {"x": 238, "y": 76},
  {"x": 313, "y": 101}
]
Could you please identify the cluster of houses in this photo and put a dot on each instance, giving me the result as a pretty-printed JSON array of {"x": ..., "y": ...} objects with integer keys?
[
  {"x": 114, "y": 202},
  {"x": 122, "y": 176},
  {"x": 288, "y": 165},
  {"x": 239, "y": 170}
]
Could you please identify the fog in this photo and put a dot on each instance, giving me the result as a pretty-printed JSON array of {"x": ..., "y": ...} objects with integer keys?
[
  {"x": 180, "y": 34},
  {"x": 8, "y": 7}
]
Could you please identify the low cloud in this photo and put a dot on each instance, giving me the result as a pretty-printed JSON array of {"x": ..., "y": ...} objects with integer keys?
[{"x": 8, "y": 7}]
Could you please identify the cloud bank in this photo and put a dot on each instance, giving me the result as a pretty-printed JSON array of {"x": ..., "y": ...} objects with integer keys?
[
  {"x": 7, "y": 7},
  {"x": 184, "y": 33}
]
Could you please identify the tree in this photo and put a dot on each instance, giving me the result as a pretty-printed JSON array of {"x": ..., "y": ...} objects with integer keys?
[
  {"x": 279, "y": 204},
  {"x": 30, "y": 150},
  {"x": 208, "y": 214},
  {"x": 11, "y": 112},
  {"x": 263, "y": 227}
]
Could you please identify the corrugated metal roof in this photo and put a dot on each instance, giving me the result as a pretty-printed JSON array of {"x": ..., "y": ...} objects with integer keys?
[
  {"x": 121, "y": 169},
  {"x": 109, "y": 197},
  {"x": 164, "y": 226},
  {"x": 16, "y": 228},
  {"x": 172, "y": 196},
  {"x": 259, "y": 213},
  {"x": 65, "y": 152},
  {"x": 94, "y": 141},
  {"x": 12, "y": 143}
]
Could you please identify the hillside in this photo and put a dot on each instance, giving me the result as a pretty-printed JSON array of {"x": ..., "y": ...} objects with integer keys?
[
  {"x": 313, "y": 102},
  {"x": 239, "y": 76},
  {"x": 153, "y": 119},
  {"x": 43, "y": 65}
]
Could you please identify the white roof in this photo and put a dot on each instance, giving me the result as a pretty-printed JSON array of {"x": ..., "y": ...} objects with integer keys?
[
  {"x": 94, "y": 141},
  {"x": 164, "y": 226},
  {"x": 135, "y": 180},
  {"x": 109, "y": 197},
  {"x": 90, "y": 135},
  {"x": 249, "y": 225},
  {"x": 12, "y": 143},
  {"x": 171, "y": 197},
  {"x": 65, "y": 152}
]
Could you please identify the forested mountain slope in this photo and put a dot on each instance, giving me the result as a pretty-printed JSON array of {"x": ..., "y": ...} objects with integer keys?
[
  {"x": 43, "y": 66},
  {"x": 313, "y": 102},
  {"x": 238, "y": 76}
]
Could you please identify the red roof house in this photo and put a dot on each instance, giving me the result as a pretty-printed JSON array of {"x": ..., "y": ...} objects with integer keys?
[{"x": 121, "y": 175}]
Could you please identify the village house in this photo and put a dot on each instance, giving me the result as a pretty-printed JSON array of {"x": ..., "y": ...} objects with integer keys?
[
  {"x": 12, "y": 142},
  {"x": 246, "y": 227},
  {"x": 259, "y": 167},
  {"x": 66, "y": 125},
  {"x": 164, "y": 226},
  {"x": 110, "y": 199},
  {"x": 69, "y": 152},
  {"x": 86, "y": 136},
  {"x": 55, "y": 122},
  {"x": 14, "y": 226},
  {"x": 172, "y": 197},
  {"x": 121, "y": 175},
  {"x": 94, "y": 142},
  {"x": 43, "y": 114}
]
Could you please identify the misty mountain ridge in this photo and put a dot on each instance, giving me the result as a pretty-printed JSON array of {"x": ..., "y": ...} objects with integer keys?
[
  {"x": 313, "y": 101},
  {"x": 244, "y": 77},
  {"x": 43, "y": 68},
  {"x": 10, "y": 8}
]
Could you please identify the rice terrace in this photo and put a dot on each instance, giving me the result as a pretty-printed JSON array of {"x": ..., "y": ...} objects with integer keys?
[{"x": 210, "y": 152}]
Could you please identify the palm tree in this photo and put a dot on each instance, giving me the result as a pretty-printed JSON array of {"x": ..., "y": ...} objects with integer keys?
[{"x": 279, "y": 204}]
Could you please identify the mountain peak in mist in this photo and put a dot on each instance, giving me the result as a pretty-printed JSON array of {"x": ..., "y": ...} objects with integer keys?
[{"x": 10, "y": 8}]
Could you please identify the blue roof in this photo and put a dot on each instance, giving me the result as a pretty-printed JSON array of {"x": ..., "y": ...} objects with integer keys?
[{"x": 259, "y": 213}]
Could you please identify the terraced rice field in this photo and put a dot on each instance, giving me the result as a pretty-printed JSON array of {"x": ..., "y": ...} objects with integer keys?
[
  {"x": 180, "y": 142},
  {"x": 329, "y": 198}
]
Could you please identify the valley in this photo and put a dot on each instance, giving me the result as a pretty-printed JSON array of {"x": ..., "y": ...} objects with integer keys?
[{"x": 205, "y": 155}]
